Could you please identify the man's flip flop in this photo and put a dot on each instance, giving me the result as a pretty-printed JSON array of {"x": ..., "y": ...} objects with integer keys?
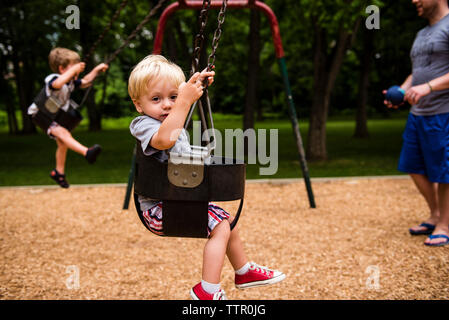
[
  {"x": 439, "y": 244},
  {"x": 429, "y": 229}
]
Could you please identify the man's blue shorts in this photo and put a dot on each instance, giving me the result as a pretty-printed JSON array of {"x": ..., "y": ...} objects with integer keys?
[{"x": 425, "y": 148}]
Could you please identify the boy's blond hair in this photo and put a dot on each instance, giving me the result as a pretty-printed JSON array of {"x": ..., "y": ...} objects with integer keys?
[
  {"x": 150, "y": 68},
  {"x": 62, "y": 57}
]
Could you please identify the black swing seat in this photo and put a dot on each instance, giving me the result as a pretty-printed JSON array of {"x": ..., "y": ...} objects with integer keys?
[
  {"x": 49, "y": 110},
  {"x": 187, "y": 188}
]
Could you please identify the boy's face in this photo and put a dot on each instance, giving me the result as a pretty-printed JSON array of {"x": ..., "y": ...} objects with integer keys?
[{"x": 158, "y": 100}]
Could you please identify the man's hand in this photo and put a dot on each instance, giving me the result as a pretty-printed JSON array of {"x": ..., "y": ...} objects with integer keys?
[
  {"x": 415, "y": 93},
  {"x": 389, "y": 104}
]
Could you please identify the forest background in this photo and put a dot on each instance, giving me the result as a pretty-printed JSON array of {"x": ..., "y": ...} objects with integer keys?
[{"x": 337, "y": 69}]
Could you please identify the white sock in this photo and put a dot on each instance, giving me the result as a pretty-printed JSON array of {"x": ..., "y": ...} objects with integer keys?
[
  {"x": 210, "y": 288},
  {"x": 243, "y": 269}
]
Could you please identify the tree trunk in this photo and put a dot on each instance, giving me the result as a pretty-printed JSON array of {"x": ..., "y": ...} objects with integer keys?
[
  {"x": 171, "y": 44},
  {"x": 24, "y": 84},
  {"x": 93, "y": 112},
  {"x": 316, "y": 145},
  {"x": 24, "y": 96},
  {"x": 182, "y": 57},
  {"x": 87, "y": 10},
  {"x": 103, "y": 94},
  {"x": 361, "y": 128},
  {"x": 11, "y": 112},
  {"x": 8, "y": 99},
  {"x": 251, "y": 101},
  {"x": 326, "y": 69}
]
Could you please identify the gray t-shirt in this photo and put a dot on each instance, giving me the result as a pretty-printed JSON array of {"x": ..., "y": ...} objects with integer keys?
[
  {"x": 143, "y": 128},
  {"x": 430, "y": 60}
]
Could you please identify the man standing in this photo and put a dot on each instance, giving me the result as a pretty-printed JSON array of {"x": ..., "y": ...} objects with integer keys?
[{"x": 425, "y": 150}]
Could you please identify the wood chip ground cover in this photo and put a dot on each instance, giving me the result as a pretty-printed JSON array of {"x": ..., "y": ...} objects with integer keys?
[{"x": 354, "y": 245}]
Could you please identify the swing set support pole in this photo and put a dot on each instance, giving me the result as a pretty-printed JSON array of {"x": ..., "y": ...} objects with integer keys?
[
  {"x": 277, "y": 41},
  {"x": 276, "y": 35},
  {"x": 295, "y": 126},
  {"x": 130, "y": 180}
]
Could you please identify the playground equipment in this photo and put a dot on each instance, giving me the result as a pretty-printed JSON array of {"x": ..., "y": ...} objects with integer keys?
[
  {"x": 236, "y": 4},
  {"x": 49, "y": 108},
  {"x": 187, "y": 182}
]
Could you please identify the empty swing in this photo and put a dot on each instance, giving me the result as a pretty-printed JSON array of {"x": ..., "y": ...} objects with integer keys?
[{"x": 187, "y": 182}]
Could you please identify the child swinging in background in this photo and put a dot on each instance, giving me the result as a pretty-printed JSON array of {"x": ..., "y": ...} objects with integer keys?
[
  {"x": 160, "y": 94},
  {"x": 67, "y": 66}
]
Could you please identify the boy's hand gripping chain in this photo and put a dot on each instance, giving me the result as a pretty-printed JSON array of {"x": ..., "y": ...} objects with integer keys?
[{"x": 210, "y": 65}]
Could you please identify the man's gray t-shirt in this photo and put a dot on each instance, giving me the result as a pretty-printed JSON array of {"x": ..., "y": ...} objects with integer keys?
[
  {"x": 143, "y": 128},
  {"x": 430, "y": 60}
]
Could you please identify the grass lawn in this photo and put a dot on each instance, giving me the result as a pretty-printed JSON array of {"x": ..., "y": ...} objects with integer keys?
[{"x": 28, "y": 159}]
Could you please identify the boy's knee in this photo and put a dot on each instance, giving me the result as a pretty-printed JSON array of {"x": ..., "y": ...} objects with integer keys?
[
  {"x": 231, "y": 220},
  {"x": 223, "y": 229},
  {"x": 60, "y": 132},
  {"x": 61, "y": 144}
]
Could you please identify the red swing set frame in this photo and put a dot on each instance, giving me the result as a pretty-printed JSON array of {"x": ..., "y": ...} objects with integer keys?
[
  {"x": 216, "y": 4},
  {"x": 276, "y": 35}
]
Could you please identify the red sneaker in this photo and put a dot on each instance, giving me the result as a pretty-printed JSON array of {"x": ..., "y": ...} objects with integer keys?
[
  {"x": 198, "y": 293},
  {"x": 258, "y": 276}
]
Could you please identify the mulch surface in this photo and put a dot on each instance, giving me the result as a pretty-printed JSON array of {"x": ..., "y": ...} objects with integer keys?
[{"x": 354, "y": 245}]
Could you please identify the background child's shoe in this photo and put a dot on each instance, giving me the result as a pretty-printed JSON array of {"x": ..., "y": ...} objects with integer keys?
[
  {"x": 258, "y": 276},
  {"x": 59, "y": 178},
  {"x": 198, "y": 293},
  {"x": 92, "y": 153}
]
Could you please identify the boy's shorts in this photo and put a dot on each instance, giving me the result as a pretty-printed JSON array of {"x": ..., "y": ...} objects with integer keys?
[
  {"x": 154, "y": 221},
  {"x": 425, "y": 148},
  {"x": 52, "y": 126}
]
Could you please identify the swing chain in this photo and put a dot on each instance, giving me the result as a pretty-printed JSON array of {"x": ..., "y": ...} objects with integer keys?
[
  {"x": 199, "y": 39},
  {"x": 127, "y": 41},
  {"x": 106, "y": 29},
  {"x": 134, "y": 33},
  {"x": 217, "y": 35},
  {"x": 210, "y": 62}
]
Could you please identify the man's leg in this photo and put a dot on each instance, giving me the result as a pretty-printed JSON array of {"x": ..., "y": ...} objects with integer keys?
[
  {"x": 429, "y": 191},
  {"x": 442, "y": 226}
]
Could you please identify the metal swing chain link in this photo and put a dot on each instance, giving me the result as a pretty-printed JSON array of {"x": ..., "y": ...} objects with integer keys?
[
  {"x": 199, "y": 39},
  {"x": 106, "y": 29},
  {"x": 127, "y": 41},
  {"x": 134, "y": 33},
  {"x": 210, "y": 64},
  {"x": 217, "y": 35}
]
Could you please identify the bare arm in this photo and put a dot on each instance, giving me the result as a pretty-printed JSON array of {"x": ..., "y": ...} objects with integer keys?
[
  {"x": 171, "y": 127},
  {"x": 415, "y": 93},
  {"x": 407, "y": 83},
  {"x": 68, "y": 75},
  {"x": 86, "y": 81}
]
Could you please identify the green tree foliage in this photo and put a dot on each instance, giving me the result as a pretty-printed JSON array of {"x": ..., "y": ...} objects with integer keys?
[{"x": 312, "y": 31}]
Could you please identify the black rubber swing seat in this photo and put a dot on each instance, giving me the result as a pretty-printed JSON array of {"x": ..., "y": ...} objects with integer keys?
[
  {"x": 187, "y": 189},
  {"x": 48, "y": 112}
]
